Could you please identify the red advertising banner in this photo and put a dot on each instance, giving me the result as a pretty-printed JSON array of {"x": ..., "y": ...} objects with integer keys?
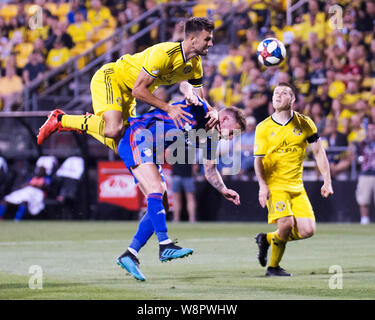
[{"x": 116, "y": 186}]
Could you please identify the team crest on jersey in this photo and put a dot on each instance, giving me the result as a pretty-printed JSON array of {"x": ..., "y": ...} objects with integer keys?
[
  {"x": 147, "y": 152},
  {"x": 187, "y": 69},
  {"x": 280, "y": 206},
  {"x": 119, "y": 101},
  {"x": 297, "y": 131}
]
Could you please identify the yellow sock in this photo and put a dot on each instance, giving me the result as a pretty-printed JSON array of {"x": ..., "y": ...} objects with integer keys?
[
  {"x": 109, "y": 142},
  {"x": 90, "y": 124},
  {"x": 294, "y": 234},
  {"x": 85, "y": 123},
  {"x": 270, "y": 236},
  {"x": 277, "y": 250}
]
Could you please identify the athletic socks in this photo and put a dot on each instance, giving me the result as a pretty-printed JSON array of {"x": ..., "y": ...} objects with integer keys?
[
  {"x": 277, "y": 249},
  {"x": 3, "y": 208},
  {"x": 154, "y": 220},
  {"x": 156, "y": 211},
  {"x": 20, "y": 212},
  {"x": 90, "y": 124}
]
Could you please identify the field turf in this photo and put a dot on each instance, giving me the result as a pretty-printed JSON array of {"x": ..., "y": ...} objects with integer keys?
[{"x": 78, "y": 262}]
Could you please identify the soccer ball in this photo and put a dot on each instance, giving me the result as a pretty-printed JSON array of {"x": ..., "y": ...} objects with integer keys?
[{"x": 271, "y": 52}]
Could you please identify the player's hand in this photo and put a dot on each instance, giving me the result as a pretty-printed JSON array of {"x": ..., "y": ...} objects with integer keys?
[
  {"x": 264, "y": 195},
  {"x": 213, "y": 121},
  {"x": 177, "y": 114},
  {"x": 232, "y": 196},
  {"x": 192, "y": 98},
  {"x": 326, "y": 190}
]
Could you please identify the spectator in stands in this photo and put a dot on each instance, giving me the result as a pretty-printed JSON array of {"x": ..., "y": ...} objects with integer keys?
[
  {"x": 3, "y": 176},
  {"x": 59, "y": 33},
  {"x": 318, "y": 75},
  {"x": 58, "y": 55},
  {"x": 183, "y": 181},
  {"x": 317, "y": 115},
  {"x": 247, "y": 148},
  {"x": 11, "y": 87},
  {"x": 75, "y": 6},
  {"x": 29, "y": 197},
  {"x": 366, "y": 181},
  {"x": 98, "y": 13},
  {"x": 340, "y": 161},
  {"x": 258, "y": 102},
  {"x": 68, "y": 178},
  {"x": 240, "y": 22},
  {"x": 35, "y": 68},
  {"x": 357, "y": 132}
]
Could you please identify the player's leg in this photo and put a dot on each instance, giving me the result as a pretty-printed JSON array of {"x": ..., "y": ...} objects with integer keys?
[
  {"x": 177, "y": 199},
  {"x": 149, "y": 176},
  {"x": 191, "y": 204},
  {"x": 305, "y": 225},
  {"x": 279, "y": 211}
]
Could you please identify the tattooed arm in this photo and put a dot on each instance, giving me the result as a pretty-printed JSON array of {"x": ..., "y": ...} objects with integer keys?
[{"x": 214, "y": 178}]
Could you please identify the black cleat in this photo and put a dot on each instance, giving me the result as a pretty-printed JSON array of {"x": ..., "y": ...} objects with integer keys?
[
  {"x": 261, "y": 240},
  {"x": 277, "y": 272}
]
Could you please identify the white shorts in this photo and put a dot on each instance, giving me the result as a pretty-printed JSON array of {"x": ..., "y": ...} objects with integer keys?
[
  {"x": 365, "y": 190},
  {"x": 33, "y": 196}
]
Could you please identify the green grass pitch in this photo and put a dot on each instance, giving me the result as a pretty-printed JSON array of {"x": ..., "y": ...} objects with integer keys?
[{"x": 78, "y": 262}]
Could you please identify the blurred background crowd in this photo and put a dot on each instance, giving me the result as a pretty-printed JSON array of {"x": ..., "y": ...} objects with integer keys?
[{"x": 330, "y": 60}]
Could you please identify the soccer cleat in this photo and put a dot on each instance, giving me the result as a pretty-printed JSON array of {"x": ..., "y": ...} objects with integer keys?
[
  {"x": 52, "y": 125},
  {"x": 277, "y": 272},
  {"x": 261, "y": 240},
  {"x": 130, "y": 263},
  {"x": 170, "y": 251}
]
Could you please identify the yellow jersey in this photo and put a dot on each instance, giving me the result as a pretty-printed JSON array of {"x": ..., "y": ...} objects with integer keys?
[
  {"x": 164, "y": 62},
  {"x": 283, "y": 148}
]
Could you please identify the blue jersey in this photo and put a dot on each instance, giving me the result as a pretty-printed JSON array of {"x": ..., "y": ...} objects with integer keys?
[{"x": 149, "y": 135}]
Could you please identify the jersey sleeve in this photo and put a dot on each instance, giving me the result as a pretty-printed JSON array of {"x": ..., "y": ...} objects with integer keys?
[
  {"x": 196, "y": 80},
  {"x": 156, "y": 61},
  {"x": 260, "y": 142},
  {"x": 311, "y": 131}
]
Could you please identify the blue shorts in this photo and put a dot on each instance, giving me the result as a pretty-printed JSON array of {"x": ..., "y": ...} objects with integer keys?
[
  {"x": 183, "y": 183},
  {"x": 134, "y": 152}
]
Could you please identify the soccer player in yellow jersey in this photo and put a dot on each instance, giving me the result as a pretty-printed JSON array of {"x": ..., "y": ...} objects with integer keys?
[
  {"x": 279, "y": 148},
  {"x": 116, "y": 86}
]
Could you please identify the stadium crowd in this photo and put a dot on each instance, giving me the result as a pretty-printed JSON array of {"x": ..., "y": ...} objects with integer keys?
[{"x": 330, "y": 60}]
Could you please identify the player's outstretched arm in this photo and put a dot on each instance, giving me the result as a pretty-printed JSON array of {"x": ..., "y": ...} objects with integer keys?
[
  {"x": 214, "y": 178},
  {"x": 323, "y": 166}
]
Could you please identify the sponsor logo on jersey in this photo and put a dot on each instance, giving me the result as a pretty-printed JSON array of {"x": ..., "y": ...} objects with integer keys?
[{"x": 187, "y": 69}]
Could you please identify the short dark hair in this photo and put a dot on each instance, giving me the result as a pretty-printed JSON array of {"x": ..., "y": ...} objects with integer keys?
[
  {"x": 195, "y": 24},
  {"x": 238, "y": 115},
  {"x": 289, "y": 85}
]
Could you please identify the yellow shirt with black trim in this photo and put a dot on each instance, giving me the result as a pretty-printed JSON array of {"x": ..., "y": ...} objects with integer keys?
[
  {"x": 164, "y": 62},
  {"x": 282, "y": 148}
]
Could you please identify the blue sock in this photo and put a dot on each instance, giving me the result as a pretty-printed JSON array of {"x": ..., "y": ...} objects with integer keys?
[
  {"x": 144, "y": 232},
  {"x": 3, "y": 208},
  {"x": 157, "y": 214},
  {"x": 20, "y": 212}
]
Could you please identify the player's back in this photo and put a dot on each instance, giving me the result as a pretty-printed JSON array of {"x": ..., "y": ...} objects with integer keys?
[{"x": 165, "y": 62}]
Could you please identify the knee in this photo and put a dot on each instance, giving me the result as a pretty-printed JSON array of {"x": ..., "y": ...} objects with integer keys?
[
  {"x": 113, "y": 130},
  {"x": 307, "y": 232},
  {"x": 155, "y": 188}
]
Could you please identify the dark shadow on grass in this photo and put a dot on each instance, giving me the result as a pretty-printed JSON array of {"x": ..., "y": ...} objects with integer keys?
[{"x": 46, "y": 285}]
